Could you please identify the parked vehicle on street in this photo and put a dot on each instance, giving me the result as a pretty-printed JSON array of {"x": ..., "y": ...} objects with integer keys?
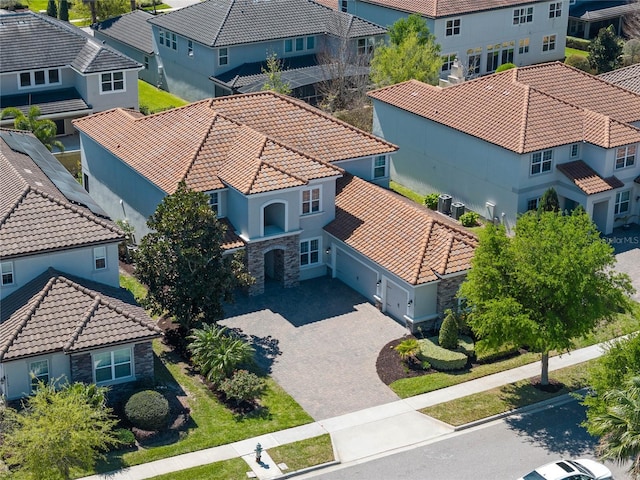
[{"x": 581, "y": 469}]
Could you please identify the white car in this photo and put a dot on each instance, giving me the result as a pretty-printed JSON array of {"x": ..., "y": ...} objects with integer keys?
[{"x": 582, "y": 469}]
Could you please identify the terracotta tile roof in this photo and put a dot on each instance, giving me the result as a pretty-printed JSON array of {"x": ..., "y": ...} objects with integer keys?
[
  {"x": 194, "y": 142},
  {"x": 527, "y": 109},
  {"x": 56, "y": 312},
  {"x": 444, "y": 8},
  {"x": 231, "y": 239},
  {"x": 410, "y": 241},
  {"x": 36, "y": 217},
  {"x": 587, "y": 179}
]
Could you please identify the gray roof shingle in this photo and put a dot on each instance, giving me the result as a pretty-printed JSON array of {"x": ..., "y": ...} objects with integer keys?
[
  {"x": 131, "y": 29},
  {"x": 58, "y": 312},
  {"x": 45, "y": 42},
  {"x": 219, "y": 23},
  {"x": 627, "y": 77}
]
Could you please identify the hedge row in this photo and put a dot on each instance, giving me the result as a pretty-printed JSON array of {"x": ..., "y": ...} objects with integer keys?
[
  {"x": 578, "y": 43},
  {"x": 441, "y": 358}
]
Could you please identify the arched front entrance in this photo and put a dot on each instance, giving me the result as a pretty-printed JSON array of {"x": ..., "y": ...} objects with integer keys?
[
  {"x": 276, "y": 260},
  {"x": 274, "y": 266}
]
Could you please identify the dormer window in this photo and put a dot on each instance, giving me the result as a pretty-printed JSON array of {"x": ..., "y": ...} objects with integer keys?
[
  {"x": 38, "y": 78},
  {"x": 7, "y": 273},
  {"x": 100, "y": 258}
]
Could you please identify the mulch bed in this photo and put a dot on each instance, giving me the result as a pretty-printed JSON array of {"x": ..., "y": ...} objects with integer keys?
[{"x": 391, "y": 368}]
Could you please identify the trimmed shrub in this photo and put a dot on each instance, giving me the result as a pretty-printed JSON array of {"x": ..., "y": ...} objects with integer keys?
[
  {"x": 469, "y": 219},
  {"x": 441, "y": 358},
  {"x": 448, "y": 336},
  {"x": 431, "y": 200},
  {"x": 126, "y": 438},
  {"x": 64, "y": 10},
  {"x": 578, "y": 43},
  {"x": 52, "y": 8},
  {"x": 579, "y": 62},
  {"x": 505, "y": 66},
  {"x": 147, "y": 410},
  {"x": 243, "y": 386}
]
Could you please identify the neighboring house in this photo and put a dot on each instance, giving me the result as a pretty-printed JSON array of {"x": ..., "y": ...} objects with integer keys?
[
  {"x": 627, "y": 77},
  {"x": 219, "y": 47},
  {"x": 61, "y": 69},
  {"x": 587, "y": 17},
  {"x": 498, "y": 142},
  {"x": 131, "y": 34},
  {"x": 481, "y": 34},
  {"x": 63, "y": 313},
  {"x": 280, "y": 173}
]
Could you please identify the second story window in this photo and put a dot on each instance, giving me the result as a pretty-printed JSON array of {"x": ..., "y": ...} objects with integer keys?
[
  {"x": 146, "y": 62},
  {"x": 575, "y": 150},
  {"x": 100, "y": 258},
  {"x": 172, "y": 41},
  {"x": 625, "y": 156},
  {"x": 366, "y": 45},
  {"x": 111, "y": 82},
  {"x": 622, "y": 202},
  {"x": 541, "y": 162},
  {"x": 523, "y": 46},
  {"x": 39, "y": 78},
  {"x": 161, "y": 37},
  {"x": 311, "y": 201},
  {"x": 452, "y": 27},
  {"x": 223, "y": 56},
  {"x": 7, "y": 273},
  {"x": 548, "y": 43},
  {"x": 190, "y": 48},
  {"x": 555, "y": 10},
  {"x": 447, "y": 61},
  {"x": 380, "y": 166},
  {"x": 522, "y": 15},
  {"x": 343, "y": 5},
  {"x": 213, "y": 201},
  {"x": 299, "y": 44}
]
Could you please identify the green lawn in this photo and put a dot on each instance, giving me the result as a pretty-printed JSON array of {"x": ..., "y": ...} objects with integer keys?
[
  {"x": 574, "y": 51},
  {"x": 233, "y": 469},
  {"x": 508, "y": 397},
  {"x": 406, "y": 192},
  {"x": 134, "y": 286},
  {"x": 156, "y": 100},
  {"x": 41, "y": 5}
]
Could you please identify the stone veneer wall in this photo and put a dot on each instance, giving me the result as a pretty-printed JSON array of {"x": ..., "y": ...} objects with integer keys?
[
  {"x": 288, "y": 257},
  {"x": 447, "y": 289},
  {"x": 81, "y": 368}
]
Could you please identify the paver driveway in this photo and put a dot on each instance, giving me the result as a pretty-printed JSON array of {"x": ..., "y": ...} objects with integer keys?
[
  {"x": 626, "y": 244},
  {"x": 320, "y": 342}
]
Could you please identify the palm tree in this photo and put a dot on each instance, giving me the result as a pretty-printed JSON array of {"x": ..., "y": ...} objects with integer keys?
[
  {"x": 217, "y": 353},
  {"x": 619, "y": 426},
  {"x": 45, "y": 130}
]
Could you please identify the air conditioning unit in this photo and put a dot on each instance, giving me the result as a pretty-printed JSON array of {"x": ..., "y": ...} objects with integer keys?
[
  {"x": 444, "y": 204},
  {"x": 457, "y": 210}
]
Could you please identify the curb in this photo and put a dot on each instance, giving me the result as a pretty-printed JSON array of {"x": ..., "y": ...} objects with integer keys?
[
  {"x": 313, "y": 468},
  {"x": 552, "y": 402}
]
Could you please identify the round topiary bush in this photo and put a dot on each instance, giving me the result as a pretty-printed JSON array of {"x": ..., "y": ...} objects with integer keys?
[
  {"x": 579, "y": 62},
  {"x": 448, "y": 336},
  {"x": 147, "y": 410}
]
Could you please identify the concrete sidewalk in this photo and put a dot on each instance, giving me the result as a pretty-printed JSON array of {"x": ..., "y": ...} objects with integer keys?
[{"x": 358, "y": 435}]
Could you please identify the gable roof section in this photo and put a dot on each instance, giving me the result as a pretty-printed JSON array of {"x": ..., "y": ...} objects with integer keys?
[
  {"x": 57, "y": 312},
  {"x": 627, "y": 77},
  {"x": 526, "y": 109},
  {"x": 48, "y": 43},
  {"x": 444, "y": 8},
  {"x": 220, "y": 23},
  {"x": 36, "y": 217},
  {"x": 587, "y": 179},
  {"x": 208, "y": 140},
  {"x": 131, "y": 29},
  {"x": 417, "y": 245}
]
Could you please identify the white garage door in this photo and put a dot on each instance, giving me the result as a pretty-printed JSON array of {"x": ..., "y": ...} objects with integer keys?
[
  {"x": 356, "y": 274},
  {"x": 395, "y": 301}
]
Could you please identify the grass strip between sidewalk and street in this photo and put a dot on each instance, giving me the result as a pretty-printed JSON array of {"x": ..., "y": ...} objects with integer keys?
[{"x": 507, "y": 397}]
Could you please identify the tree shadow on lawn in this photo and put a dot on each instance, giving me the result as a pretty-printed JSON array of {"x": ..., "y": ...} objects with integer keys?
[{"x": 550, "y": 430}]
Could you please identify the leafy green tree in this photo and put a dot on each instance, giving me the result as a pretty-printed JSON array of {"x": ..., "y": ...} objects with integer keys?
[
  {"x": 550, "y": 283},
  {"x": 45, "y": 130},
  {"x": 182, "y": 261},
  {"x": 404, "y": 27},
  {"x": 52, "y": 8},
  {"x": 273, "y": 71},
  {"x": 101, "y": 9},
  {"x": 605, "y": 51},
  {"x": 217, "y": 352},
  {"x": 549, "y": 201},
  {"x": 59, "y": 431},
  {"x": 64, "y": 10},
  {"x": 448, "y": 336},
  {"x": 414, "y": 58},
  {"x": 618, "y": 426},
  {"x": 579, "y": 62}
]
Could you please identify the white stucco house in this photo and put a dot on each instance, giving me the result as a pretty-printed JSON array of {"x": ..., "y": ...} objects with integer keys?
[
  {"x": 498, "y": 142},
  {"x": 301, "y": 192}
]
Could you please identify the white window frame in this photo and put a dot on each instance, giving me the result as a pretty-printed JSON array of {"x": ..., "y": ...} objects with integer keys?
[
  {"x": 36, "y": 376},
  {"x": 623, "y": 199},
  {"x": 343, "y": 5},
  {"x": 214, "y": 202},
  {"x": 549, "y": 43},
  {"x": 555, "y": 9},
  {"x": 535, "y": 201},
  {"x": 365, "y": 45},
  {"x": 112, "y": 81},
  {"x": 112, "y": 365},
  {"x": 190, "y": 48},
  {"x": 522, "y": 15},
  {"x": 447, "y": 61},
  {"x": 161, "y": 36},
  {"x": 32, "y": 78},
  {"x": 6, "y": 270},
  {"x": 377, "y": 166},
  {"x": 310, "y": 42},
  {"x": 309, "y": 252},
  {"x": 452, "y": 27},
  {"x": 493, "y": 57},
  {"x": 99, "y": 257},
  {"x": 474, "y": 60},
  {"x": 574, "y": 150},
  {"x": 542, "y": 160},
  {"x": 311, "y": 201},
  {"x": 223, "y": 53},
  {"x": 146, "y": 62},
  {"x": 507, "y": 52},
  {"x": 523, "y": 46},
  {"x": 171, "y": 40},
  {"x": 626, "y": 155}
]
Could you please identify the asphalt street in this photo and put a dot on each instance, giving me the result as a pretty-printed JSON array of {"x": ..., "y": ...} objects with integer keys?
[{"x": 500, "y": 450}]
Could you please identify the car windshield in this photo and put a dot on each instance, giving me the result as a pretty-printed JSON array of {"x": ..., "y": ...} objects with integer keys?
[{"x": 533, "y": 476}]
